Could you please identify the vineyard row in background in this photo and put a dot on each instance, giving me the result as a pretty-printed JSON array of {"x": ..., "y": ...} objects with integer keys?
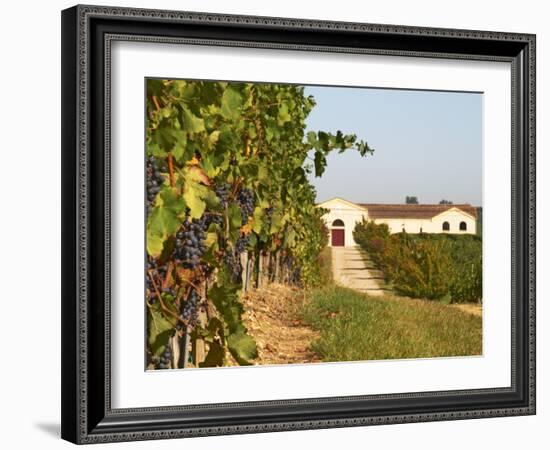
[{"x": 443, "y": 267}]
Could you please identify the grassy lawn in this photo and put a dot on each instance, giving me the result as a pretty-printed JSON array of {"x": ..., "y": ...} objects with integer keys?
[{"x": 355, "y": 327}]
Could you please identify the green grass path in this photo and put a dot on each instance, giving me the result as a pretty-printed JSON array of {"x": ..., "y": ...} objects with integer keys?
[{"x": 355, "y": 326}]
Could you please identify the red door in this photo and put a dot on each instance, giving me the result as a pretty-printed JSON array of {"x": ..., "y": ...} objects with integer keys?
[{"x": 337, "y": 238}]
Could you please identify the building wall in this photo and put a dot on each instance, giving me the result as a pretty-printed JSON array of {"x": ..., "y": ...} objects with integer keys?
[
  {"x": 351, "y": 214},
  {"x": 433, "y": 225},
  {"x": 454, "y": 218},
  {"x": 346, "y": 213},
  {"x": 409, "y": 225}
]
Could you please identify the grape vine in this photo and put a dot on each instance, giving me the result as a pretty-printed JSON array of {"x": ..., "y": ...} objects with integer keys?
[
  {"x": 155, "y": 181},
  {"x": 228, "y": 204},
  {"x": 246, "y": 203},
  {"x": 189, "y": 246},
  {"x": 189, "y": 308}
]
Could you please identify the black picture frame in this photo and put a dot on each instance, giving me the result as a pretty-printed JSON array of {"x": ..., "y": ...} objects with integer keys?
[{"x": 87, "y": 416}]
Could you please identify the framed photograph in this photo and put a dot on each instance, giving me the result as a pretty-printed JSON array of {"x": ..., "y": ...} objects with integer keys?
[{"x": 281, "y": 224}]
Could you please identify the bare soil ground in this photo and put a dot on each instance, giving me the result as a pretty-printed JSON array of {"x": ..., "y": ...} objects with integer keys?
[{"x": 271, "y": 318}]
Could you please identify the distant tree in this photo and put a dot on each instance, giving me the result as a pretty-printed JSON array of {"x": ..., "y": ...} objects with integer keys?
[
  {"x": 411, "y": 200},
  {"x": 445, "y": 202}
]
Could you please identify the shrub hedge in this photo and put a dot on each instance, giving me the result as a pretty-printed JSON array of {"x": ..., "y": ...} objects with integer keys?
[{"x": 433, "y": 266}]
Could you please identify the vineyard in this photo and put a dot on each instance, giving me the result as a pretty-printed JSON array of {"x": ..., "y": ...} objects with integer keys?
[
  {"x": 229, "y": 207},
  {"x": 433, "y": 266}
]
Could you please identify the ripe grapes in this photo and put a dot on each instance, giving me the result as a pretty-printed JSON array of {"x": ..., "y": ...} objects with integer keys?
[
  {"x": 155, "y": 180},
  {"x": 222, "y": 192},
  {"x": 159, "y": 273},
  {"x": 246, "y": 203},
  {"x": 232, "y": 258},
  {"x": 233, "y": 263},
  {"x": 240, "y": 245},
  {"x": 189, "y": 308},
  {"x": 190, "y": 243},
  {"x": 165, "y": 359},
  {"x": 210, "y": 218}
]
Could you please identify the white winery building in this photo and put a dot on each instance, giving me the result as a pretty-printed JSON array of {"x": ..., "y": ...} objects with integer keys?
[{"x": 343, "y": 215}]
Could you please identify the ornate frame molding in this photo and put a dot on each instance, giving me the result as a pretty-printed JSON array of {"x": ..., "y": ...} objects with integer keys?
[{"x": 86, "y": 422}]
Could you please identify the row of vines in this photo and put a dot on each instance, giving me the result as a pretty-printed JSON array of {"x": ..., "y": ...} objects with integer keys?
[
  {"x": 444, "y": 267},
  {"x": 229, "y": 206}
]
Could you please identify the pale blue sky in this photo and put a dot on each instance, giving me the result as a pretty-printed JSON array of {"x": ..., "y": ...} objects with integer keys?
[{"x": 427, "y": 144}]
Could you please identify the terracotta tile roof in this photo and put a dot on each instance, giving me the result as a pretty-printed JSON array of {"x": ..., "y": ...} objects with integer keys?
[{"x": 404, "y": 211}]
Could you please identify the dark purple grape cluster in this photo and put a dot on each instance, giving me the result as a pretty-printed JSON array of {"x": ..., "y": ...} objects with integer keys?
[
  {"x": 155, "y": 179},
  {"x": 222, "y": 192},
  {"x": 157, "y": 268},
  {"x": 189, "y": 308},
  {"x": 166, "y": 357},
  {"x": 190, "y": 243},
  {"x": 234, "y": 268},
  {"x": 151, "y": 264},
  {"x": 209, "y": 218},
  {"x": 232, "y": 258},
  {"x": 269, "y": 211},
  {"x": 151, "y": 294},
  {"x": 240, "y": 245},
  {"x": 206, "y": 269},
  {"x": 246, "y": 203}
]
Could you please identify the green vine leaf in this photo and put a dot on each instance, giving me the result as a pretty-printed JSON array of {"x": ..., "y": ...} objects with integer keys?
[
  {"x": 225, "y": 297},
  {"x": 159, "y": 330},
  {"x": 215, "y": 356},
  {"x": 194, "y": 191},
  {"x": 243, "y": 348},
  {"x": 234, "y": 213},
  {"x": 283, "y": 116},
  {"x": 320, "y": 163},
  {"x": 191, "y": 123},
  {"x": 211, "y": 240},
  {"x": 258, "y": 220},
  {"x": 231, "y": 103},
  {"x": 164, "y": 220}
]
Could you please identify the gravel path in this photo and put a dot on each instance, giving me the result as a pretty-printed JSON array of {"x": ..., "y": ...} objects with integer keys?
[
  {"x": 271, "y": 318},
  {"x": 351, "y": 268}
]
